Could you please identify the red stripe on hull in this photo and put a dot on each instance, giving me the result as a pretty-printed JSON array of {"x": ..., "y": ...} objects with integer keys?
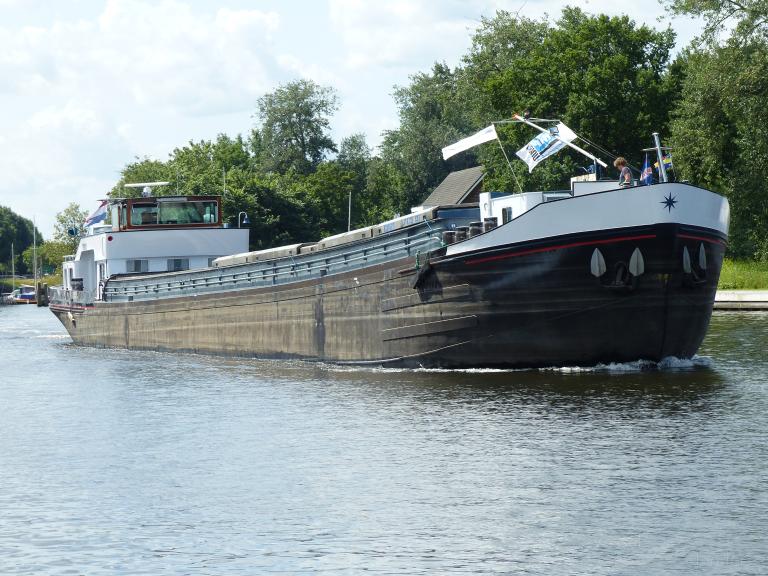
[
  {"x": 560, "y": 247},
  {"x": 702, "y": 238}
]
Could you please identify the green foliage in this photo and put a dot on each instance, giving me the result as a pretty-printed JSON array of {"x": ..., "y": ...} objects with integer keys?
[
  {"x": 747, "y": 18},
  {"x": 324, "y": 197},
  {"x": 295, "y": 125},
  {"x": 606, "y": 77},
  {"x": 380, "y": 200},
  {"x": 432, "y": 115},
  {"x": 140, "y": 170},
  {"x": 720, "y": 133},
  {"x": 71, "y": 218},
  {"x": 355, "y": 158},
  {"x": 51, "y": 254},
  {"x": 17, "y": 231},
  {"x": 277, "y": 218},
  {"x": 603, "y": 76},
  {"x": 743, "y": 275}
]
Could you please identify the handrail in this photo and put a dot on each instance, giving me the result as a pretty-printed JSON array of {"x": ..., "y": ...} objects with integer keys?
[
  {"x": 255, "y": 274},
  {"x": 66, "y": 297}
]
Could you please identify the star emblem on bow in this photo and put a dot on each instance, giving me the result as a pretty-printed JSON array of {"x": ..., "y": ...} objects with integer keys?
[{"x": 669, "y": 202}]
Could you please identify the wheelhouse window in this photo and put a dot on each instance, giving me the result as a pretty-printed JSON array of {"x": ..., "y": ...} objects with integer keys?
[
  {"x": 178, "y": 264},
  {"x": 136, "y": 266},
  {"x": 143, "y": 214},
  {"x": 174, "y": 212}
]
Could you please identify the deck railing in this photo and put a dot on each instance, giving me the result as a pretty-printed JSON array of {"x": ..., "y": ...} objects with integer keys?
[
  {"x": 64, "y": 297},
  {"x": 275, "y": 272}
]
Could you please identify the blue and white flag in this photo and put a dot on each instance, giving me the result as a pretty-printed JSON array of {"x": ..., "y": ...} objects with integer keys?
[
  {"x": 646, "y": 176},
  {"x": 99, "y": 215},
  {"x": 545, "y": 144}
]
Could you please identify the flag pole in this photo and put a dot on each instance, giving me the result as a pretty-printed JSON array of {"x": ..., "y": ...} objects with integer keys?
[
  {"x": 509, "y": 163},
  {"x": 662, "y": 168},
  {"x": 545, "y": 131}
]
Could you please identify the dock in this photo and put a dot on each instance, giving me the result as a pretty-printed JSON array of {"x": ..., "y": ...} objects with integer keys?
[{"x": 741, "y": 300}]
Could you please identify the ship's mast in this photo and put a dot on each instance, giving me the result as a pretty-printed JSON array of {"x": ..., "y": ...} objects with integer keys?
[
  {"x": 569, "y": 144},
  {"x": 662, "y": 168},
  {"x": 34, "y": 251}
]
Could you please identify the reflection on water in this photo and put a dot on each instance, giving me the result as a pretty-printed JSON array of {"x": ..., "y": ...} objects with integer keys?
[{"x": 116, "y": 461}]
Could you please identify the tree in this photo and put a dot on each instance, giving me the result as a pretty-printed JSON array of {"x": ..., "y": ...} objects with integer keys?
[
  {"x": 294, "y": 127},
  {"x": 202, "y": 167},
  {"x": 354, "y": 157},
  {"x": 140, "y": 170},
  {"x": 720, "y": 136},
  {"x": 381, "y": 192},
  {"x": 72, "y": 218},
  {"x": 720, "y": 122},
  {"x": 277, "y": 217},
  {"x": 18, "y": 231},
  {"x": 194, "y": 170},
  {"x": 323, "y": 196},
  {"x": 748, "y": 17},
  {"x": 52, "y": 254},
  {"x": 431, "y": 116},
  {"x": 603, "y": 76}
]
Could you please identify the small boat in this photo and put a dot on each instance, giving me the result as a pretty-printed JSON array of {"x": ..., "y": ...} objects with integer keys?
[{"x": 24, "y": 294}]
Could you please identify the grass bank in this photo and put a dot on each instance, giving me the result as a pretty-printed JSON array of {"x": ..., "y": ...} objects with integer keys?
[
  {"x": 6, "y": 284},
  {"x": 743, "y": 275}
]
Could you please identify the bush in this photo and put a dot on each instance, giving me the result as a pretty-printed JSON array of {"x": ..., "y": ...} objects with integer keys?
[{"x": 743, "y": 275}]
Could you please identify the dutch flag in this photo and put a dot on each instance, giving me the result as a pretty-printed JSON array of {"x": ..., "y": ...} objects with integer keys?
[
  {"x": 646, "y": 176},
  {"x": 99, "y": 215}
]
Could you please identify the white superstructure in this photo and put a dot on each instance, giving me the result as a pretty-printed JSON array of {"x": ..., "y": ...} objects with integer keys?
[{"x": 151, "y": 235}]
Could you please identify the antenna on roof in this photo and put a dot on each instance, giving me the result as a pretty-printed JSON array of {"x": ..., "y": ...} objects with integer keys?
[{"x": 146, "y": 187}]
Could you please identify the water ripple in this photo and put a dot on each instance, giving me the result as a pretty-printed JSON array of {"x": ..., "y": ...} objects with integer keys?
[{"x": 122, "y": 462}]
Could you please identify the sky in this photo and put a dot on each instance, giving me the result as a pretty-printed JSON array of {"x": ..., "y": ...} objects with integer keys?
[{"x": 87, "y": 86}]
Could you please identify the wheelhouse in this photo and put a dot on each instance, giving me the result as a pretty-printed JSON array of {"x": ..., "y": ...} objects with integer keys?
[{"x": 166, "y": 212}]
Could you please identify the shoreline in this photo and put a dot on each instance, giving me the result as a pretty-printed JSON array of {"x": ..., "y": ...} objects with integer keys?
[{"x": 741, "y": 300}]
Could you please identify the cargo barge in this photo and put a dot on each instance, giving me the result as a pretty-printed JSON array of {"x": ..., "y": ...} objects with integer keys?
[{"x": 594, "y": 274}]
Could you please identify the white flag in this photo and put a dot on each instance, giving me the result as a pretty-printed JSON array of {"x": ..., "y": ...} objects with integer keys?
[
  {"x": 485, "y": 135},
  {"x": 545, "y": 144}
]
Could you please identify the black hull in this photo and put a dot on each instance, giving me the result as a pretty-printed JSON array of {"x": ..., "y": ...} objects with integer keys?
[
  {"x": 525, "y": 305},
  {"x": 539, "y": 305}
]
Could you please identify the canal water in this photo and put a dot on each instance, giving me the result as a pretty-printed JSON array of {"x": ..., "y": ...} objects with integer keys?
[{"x": 120, "y": 462}]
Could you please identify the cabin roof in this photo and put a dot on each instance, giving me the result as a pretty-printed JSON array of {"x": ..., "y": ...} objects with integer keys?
[{"x": 456, "y": 187}]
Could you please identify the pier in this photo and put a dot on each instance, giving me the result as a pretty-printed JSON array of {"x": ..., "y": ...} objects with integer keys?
[{"x": 741, "y": 300}]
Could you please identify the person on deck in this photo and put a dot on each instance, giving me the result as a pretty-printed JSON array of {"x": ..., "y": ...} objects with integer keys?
[{"x": 625, "y": 177}]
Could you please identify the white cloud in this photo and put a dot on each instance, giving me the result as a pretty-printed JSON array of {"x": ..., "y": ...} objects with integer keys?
[
  {"x": 86, "y": 86},
  {"x": 138, "y": 78},
  {"x": 77, "y": 119},
  {"x": 394, "y": 33}
]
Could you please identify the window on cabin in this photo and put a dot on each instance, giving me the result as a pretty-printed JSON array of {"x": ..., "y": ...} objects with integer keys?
[
  {"x": 178, "y": 264},
  {"x": 506, "y": 215},
  {"x": 170, "y": 212},
  {"x": 136, "y": 266},
  {"x": 210, "y": 211},
  {"x": 143, "y": 214}
]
